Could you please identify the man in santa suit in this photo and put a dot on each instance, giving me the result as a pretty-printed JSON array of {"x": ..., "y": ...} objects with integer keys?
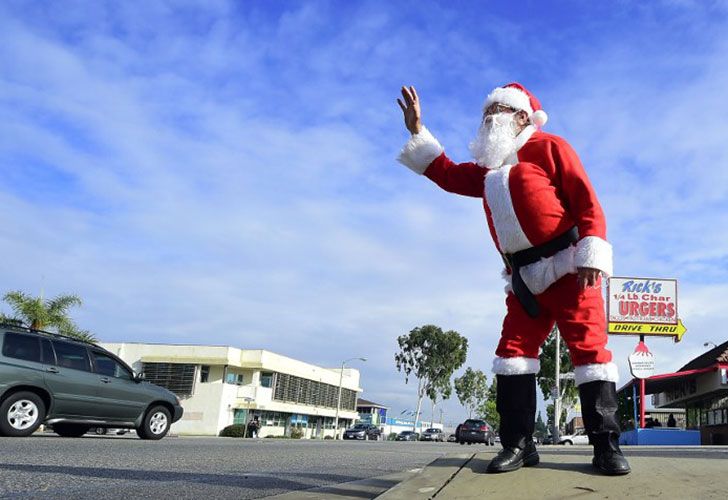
[{"x": 546, "y": 222}]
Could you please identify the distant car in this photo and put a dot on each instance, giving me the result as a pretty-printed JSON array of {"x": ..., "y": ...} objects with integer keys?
[
  {"x": 452, "y": 438},
  {"x": 433, "y": 434},
  {"x": 363, "y": 432},
  {"x": 407, "y": 436},
  {"x": 476, "y": 430},
  {"x": 72, "y": 386},
  {"x": 548, "y": 440},
  {"x": 579, "y": 437}
]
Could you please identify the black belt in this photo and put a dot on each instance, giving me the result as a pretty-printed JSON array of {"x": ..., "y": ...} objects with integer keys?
[{"x": 516, "y": 261}]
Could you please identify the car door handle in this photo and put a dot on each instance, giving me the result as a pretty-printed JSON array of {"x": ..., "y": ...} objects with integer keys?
[
  {"x": 105, "y": 380},
  {"x": 52, "y": 369}
]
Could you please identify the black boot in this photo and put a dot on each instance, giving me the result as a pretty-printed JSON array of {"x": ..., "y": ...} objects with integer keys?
[
  {"x": 516, "y": 405},
  {"x": 599, "y": 411}
]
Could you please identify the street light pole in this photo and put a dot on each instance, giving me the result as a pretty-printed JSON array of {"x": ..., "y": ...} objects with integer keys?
[
  {"x": 338, "y": 399},
  {"x": 557, "y": 390}
]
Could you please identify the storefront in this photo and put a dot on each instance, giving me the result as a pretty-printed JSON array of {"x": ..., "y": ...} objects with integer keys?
[{"x": 700, "y": 388}]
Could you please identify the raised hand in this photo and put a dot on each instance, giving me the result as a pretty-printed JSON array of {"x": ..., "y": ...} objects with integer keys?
[{"x": 411, "y": 109}]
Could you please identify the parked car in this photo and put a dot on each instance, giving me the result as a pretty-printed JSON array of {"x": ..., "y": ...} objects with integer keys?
[
  {"x": 579, "y": 437},
  {"x": 475, "y": 430},
  {"x": 103, "y": 431},
  {"x": 433, "y": 434},
  {"x": 364, "y": 432},
  {"x": 407, "y": 436},
  {"x": 72, "y": 386}
]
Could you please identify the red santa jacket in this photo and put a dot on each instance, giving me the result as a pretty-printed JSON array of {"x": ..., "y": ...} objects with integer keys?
[{"x": 537, "y": 195}]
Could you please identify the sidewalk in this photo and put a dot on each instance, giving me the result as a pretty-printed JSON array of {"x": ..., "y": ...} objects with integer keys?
[{"x": 566, "y": 472}]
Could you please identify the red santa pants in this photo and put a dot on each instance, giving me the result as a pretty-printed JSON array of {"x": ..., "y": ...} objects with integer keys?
[{"x": 578, "y": 313}]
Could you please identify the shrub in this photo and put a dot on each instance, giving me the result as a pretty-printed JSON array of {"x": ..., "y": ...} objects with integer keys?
[
  {"x": 328, "y": 437},
  {"x": 234, "y": 431},
  {"x": 392, "y": 436},
  {"x": 296, "y": 433}
]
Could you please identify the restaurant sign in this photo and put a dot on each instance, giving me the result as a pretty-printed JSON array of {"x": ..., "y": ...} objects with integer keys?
[{"x": 643, "y": 306}]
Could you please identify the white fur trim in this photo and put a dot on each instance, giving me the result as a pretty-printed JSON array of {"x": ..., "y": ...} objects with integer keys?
[
  {"x": 510, "y": 96},
  {"x": 524, "y": 136},
  {"x": 420, "y": 151},
  {"x": 516, "y": 366},
  {"x": 592, "y": 251},
  {"x": 539, "y": 118},
  {"x": 607, "y": 372},
  {"x": 547, "y": 271},
  {"x": 509, "y": 283},
  {"x": 498, "y": 196}
]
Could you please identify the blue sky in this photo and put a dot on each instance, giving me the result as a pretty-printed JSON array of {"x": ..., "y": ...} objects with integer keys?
[{"x": 223, "y": 172}]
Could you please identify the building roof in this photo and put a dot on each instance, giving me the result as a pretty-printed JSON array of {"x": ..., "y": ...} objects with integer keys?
[
  {"x": 719, "y": 354},
  {"x": 372, "y": 404},
  {"x": 711, "y": 360}
]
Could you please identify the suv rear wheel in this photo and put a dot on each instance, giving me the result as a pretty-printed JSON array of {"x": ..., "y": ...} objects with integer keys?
[
  {"x": 70, "y": 430},
  {"x": 21, "y": 414},
  {"x": 155, "y": 424}
]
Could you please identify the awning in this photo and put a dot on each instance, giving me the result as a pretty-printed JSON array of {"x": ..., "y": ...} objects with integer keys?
[{"x": 661, "y": 383}]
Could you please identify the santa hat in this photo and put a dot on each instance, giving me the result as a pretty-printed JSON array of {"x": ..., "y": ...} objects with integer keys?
[{"x": 518, "y": 97}]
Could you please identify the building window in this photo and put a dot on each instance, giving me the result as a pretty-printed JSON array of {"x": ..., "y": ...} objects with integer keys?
[
  {"x": 235, "y": 378},
  {"x": 204, "y": 373},
  {"x": 310, "y": 392},
  {"x": 177, "y": 377},
  {"x": 240, "y": 416},
  {"x": 266, "y": 379},
  {"x": 273, "y": 418}
]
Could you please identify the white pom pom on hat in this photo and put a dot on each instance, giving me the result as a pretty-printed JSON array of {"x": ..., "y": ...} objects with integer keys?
[
  {"x": 539, "y": 118},
  {"x": 518, "y": 97}
]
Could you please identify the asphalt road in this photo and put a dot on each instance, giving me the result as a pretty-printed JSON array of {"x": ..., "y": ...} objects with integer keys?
[{"x": 47, "y": 466}]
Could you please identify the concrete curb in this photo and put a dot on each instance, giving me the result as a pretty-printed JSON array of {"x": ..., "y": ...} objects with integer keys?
[
  {"x": 566, "y": 472},
  {"x": 430, "y": 480}
]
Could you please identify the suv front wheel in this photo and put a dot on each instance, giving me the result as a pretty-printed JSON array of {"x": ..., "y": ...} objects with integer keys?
[
  {"x": 155, "y": 424},
  {"x": 21, "y": 414}
]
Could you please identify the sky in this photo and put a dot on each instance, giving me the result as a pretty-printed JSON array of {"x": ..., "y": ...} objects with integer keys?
[{"x": 224, "y": 172}]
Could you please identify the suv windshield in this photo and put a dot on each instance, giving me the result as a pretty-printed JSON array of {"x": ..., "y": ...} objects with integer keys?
[{"x": 360, "y": 426}]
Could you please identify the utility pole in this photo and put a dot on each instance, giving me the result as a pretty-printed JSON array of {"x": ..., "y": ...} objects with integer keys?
[
  {"x": 557, "y": 389},
  {"x": 338, "y": 399}
]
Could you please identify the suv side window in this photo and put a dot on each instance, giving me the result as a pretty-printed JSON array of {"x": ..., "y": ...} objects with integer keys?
[
  {"x": 72, "y": 356},
  {"x": 47, "y": 355},
  {"x": 21, "y": 346},
  {"x": 106, "y": 365}
]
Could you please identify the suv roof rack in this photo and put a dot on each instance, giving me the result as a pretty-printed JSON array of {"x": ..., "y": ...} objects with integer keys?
[{"x": 15, "y": 326}]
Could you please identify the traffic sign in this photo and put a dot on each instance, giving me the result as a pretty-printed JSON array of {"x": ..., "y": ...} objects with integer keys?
[{"x": 651, "y": 329}]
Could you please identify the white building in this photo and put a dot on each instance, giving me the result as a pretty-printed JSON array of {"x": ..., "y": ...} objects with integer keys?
[{"x": 221, "y": 385}]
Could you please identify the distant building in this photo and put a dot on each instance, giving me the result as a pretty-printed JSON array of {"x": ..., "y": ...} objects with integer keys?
[
  {"x": 700, "y": 389},
  {"x": 220, "y": 386},
  {"x": 371, "y": 412}
]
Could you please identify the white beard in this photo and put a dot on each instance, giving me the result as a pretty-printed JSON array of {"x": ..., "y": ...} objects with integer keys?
[{"x": 496, "y": 140}]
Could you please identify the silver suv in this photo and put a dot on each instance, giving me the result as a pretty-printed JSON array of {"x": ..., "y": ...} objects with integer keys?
[{"x": 73, "y": 386}]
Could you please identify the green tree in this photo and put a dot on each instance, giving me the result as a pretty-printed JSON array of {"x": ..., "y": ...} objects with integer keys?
[
  {"x": 546, "y": 377},
  {"x": 472, "y": 389},
  {"x": 541, "y": 430},
  {"x": 41, "y": 314},
  {"x": 487, "y": 409},
  {"x": 431, "y": 356}
]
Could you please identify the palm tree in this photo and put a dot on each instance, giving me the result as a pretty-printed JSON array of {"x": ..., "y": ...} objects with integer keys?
[{"x": 39, "y": 314}]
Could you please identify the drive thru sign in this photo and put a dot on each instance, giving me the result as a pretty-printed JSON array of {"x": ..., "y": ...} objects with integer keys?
[{"x": 643, "y": 306}]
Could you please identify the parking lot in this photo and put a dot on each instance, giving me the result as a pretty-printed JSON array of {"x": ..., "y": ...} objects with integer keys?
[{"x": 47, "y": 466}]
